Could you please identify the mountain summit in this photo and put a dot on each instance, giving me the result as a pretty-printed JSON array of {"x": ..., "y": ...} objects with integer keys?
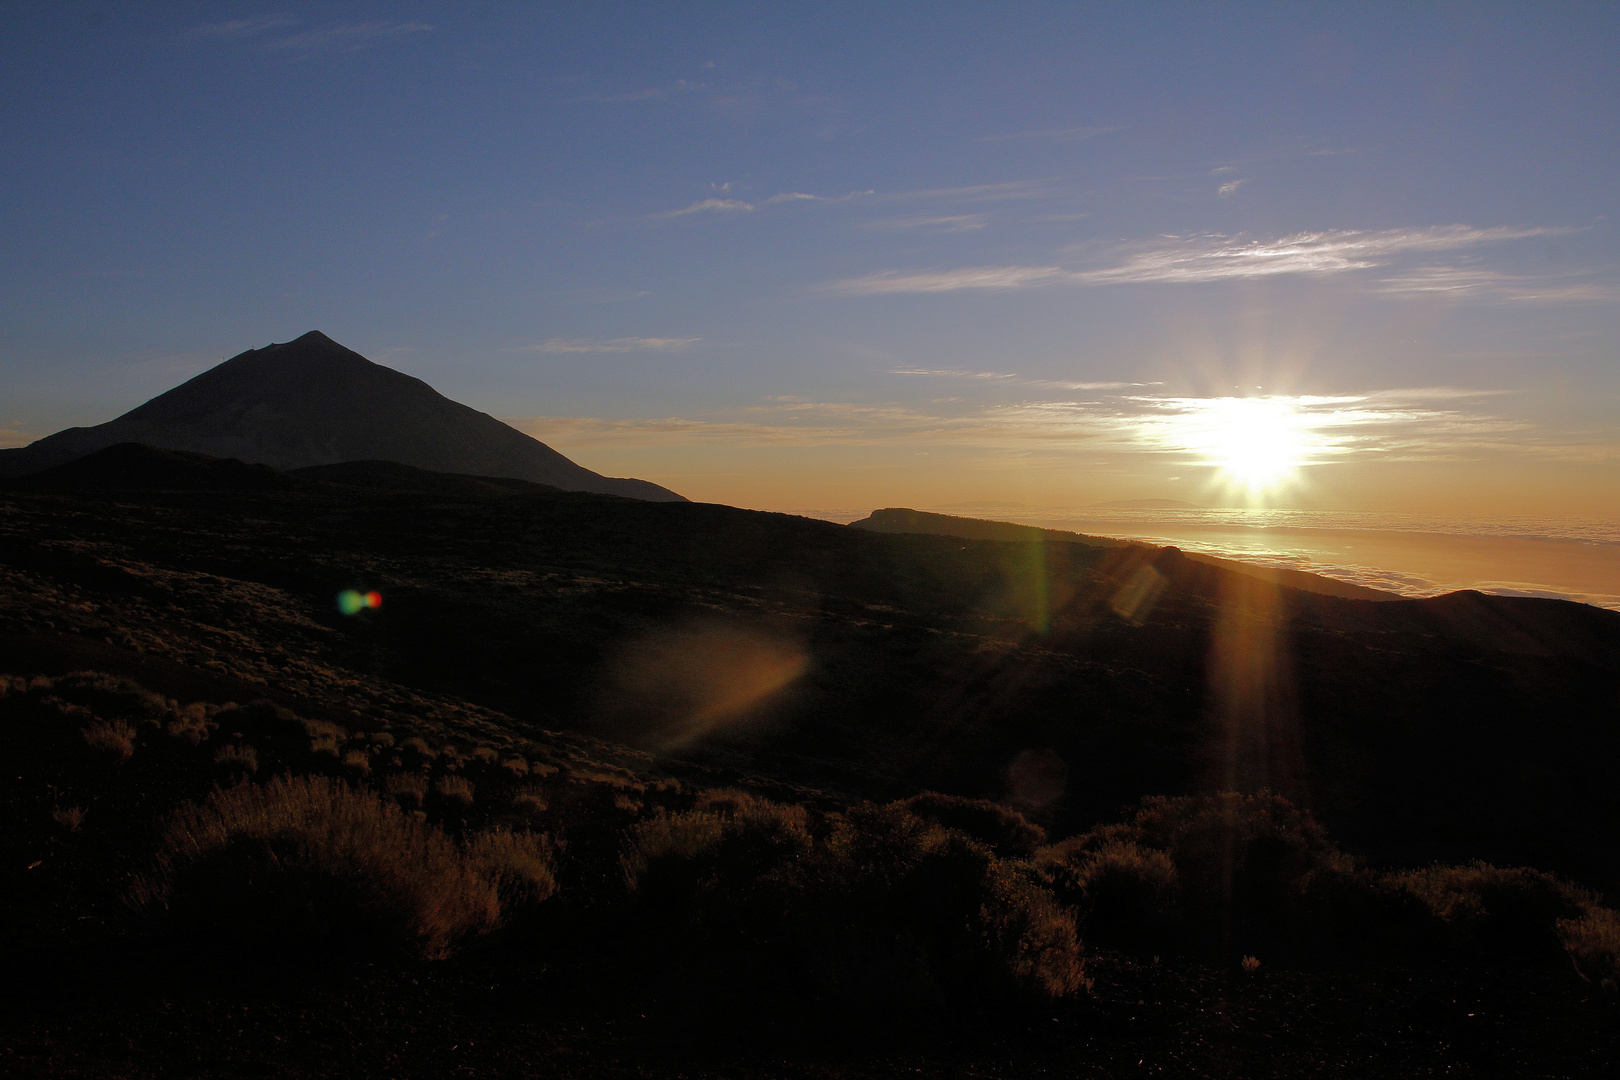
[{"x": 313, "y": 402}]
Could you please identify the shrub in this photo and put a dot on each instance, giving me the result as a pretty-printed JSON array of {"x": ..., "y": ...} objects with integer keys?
[
  {"x": 114, "y": 739},
  {"x": 357, "y": 762},
  {"x": 410, "y": 789},
  {"x": 456, "y": 791},
  {"x": 484, "y": 755},
  {"x": 1128, "y": 895},
  {"x": 518, "y": 863},
  {"x": 1514, "y": 908},
  {"x": 528, "y": 804},
  {"x": 238, "y": 758},
  {"x": 191, "y": 723},
  {"x": 884, "y": 909},
  {"x": 70, "y": 818},
  {"x": 308, "y": 863},
  {"x": 112, "y": 695},
  {"x": 1593, "y": 944},
  {"x": 1004, "y": 830},
  {"x": 419, "y": 747},
  {"x": 517, "y": 766}
]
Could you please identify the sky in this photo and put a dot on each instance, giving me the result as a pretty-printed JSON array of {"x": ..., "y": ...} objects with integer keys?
[{"x": 1355, "y": 257}]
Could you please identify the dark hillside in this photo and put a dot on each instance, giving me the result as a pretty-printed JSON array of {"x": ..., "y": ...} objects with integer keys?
[{"x": 1068, "y": 679}]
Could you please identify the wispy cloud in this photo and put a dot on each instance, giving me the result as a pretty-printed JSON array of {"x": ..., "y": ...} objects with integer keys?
[
  {"x": 350, "y": 37},
  {"x": 1471, "y": 282},
  {"x": 1217, "y": 257},
  {"x": 705, "y": 206},
  {"x": 1050, "y": 384},
  {"x": 933, "y": 281},
  {"x": 1393, "y": 425},
  {"x": 952, "y": 374},
  {"x": 1052, "y": 135},
  {"x": 236, "y": 29},
  {"x": 1009, "y": 189},
  {"x": 715, "y": 204},
  {"x": 346, "y": 37},
  {"x": 652, "y": 93},
  {"x": 613, "y": 345},
  {"x": 1230, "y": 187},
  {"x": 939, "y": 223}
]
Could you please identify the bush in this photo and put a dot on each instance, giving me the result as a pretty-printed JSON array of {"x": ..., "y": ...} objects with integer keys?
[
  {"x": 1214, "y": 873},
  {"x": 114, "y": 739},
  {"x": 1127, "y": 895},
  {"x": 519, "y": 864},
  {"x": 1512, "y": 909},
  {"x": 238, "y": 758},
  {"x": 1003, "y": 829},
  {"x": 410, "y": 789},
  {"x": 310, "y": 864},
  {"x": 880, "y": 908},
  {"x": 456, "y": 791},
  {"x": 1593, "y": 944}
]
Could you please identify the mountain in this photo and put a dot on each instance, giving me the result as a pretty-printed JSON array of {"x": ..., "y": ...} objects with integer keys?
[
  {"x": 313, "y": 402},
  {"x": 901, "y": 520}
]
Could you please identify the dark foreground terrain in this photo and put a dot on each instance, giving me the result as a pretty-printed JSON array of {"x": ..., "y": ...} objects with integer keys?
[{"x": 587, "y": 786}]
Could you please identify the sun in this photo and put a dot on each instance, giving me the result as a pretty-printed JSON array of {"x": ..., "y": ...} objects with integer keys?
[{"x": 1257, "y": 445}]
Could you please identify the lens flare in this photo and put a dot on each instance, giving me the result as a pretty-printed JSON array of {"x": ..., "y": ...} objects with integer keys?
[{"x": 353, "y": 602}]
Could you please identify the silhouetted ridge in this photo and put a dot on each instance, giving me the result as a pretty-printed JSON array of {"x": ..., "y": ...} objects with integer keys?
[
  {"x": 313, "y": 402},
  {"x": 133, "y": 467}
]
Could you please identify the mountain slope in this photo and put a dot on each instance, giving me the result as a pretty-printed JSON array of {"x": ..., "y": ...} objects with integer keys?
[{"x": 313, "y": 402}]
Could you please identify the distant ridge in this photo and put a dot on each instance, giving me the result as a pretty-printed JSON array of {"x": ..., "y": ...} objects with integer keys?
[
  {"x": 314, "y": 402},
  {"x": 902, "y": 520}
]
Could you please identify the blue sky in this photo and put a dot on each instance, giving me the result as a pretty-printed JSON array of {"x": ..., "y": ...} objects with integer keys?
[{"x": 798, "y": 255}]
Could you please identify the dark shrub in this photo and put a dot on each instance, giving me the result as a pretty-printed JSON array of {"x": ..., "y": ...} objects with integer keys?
[
  {"x": 1593, "y": 943},
  {"x": 886, "y": 909},
  {"x": 1127, "y": 895},
  {"x": 1512, "y": 909},
  {"x": 1000, "y": 828},
  {"x": 304, "y": 865}
]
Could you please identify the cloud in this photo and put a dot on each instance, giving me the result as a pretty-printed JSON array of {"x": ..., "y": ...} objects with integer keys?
[
  {"x": 1009, "y": 189},
  {"x": 1472, "y": 282},
  {"x": 705, "y": 206},
  {"x": 1217, "y": 257},
  {"x": 943, "y": 374},
  {"x": 931, "y": 281},
  {"x": 620, "y": 344},
  {"x": 1230, "y": 187},
  {"x": 236, "y": 29},
  {"x": 653, "y": 93},
  {"x": 1055, "y": 384},
  {"x": 1052, "y": 135},
  {"x": 1212, "y": 257},
  {"x": 1388, "y": 426},
  {"x": 941, "y": 223},
  {"x": 349, "y": 37},
  {"x": 721, "y": 205}
]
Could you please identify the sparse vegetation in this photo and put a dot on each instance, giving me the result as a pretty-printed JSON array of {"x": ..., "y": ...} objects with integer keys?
[
  {"x": 310, "y": 863},
  {"x": 114, "y": 739}
]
